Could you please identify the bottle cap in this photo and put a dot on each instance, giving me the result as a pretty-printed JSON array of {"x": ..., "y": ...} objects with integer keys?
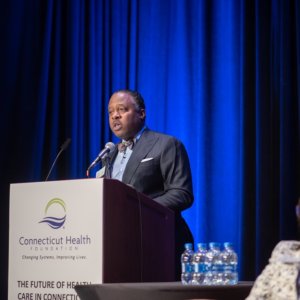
[
  {"x": 202, "y": 246},
  {"x": 188, "y": 246},
  {"x": 214, "y": 245},
  {"x": 228, "y": 245}
]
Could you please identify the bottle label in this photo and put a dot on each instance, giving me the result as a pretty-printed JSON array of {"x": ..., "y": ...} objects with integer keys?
[
  {"x": 200, "y": 268},
  {"x": 217, "y": 268},
  {"x": 230, "y": 268},
  {"x": 187, "y": 268}
]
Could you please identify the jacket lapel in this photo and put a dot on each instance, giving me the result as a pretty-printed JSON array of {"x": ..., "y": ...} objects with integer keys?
[{"x": 140, "y": 151}]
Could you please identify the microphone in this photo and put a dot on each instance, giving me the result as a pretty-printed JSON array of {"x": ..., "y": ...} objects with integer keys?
[
  {"x": 63, "y": 147},
  {"x": 103, "y": 153}
]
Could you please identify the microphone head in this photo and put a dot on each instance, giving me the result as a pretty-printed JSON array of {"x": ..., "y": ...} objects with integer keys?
[
  {"x": 107, "y": 149},
  {"x": 65, "y": 145},
  {"x": 110, "y": 146}
]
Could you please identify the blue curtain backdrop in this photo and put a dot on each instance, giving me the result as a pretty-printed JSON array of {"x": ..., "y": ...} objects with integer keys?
[{"x": 223, "y": 76}]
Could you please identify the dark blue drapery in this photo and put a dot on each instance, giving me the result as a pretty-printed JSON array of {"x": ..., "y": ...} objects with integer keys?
[{"x": 221, "y": 75}]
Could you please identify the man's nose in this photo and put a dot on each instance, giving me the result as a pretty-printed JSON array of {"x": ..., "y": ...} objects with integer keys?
[{"x": 115, "y": 115}]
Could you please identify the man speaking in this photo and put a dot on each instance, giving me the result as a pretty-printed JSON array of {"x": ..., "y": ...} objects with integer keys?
[{"x": 155, "y": 164}]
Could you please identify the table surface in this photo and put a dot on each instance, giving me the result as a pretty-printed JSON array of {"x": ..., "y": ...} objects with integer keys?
[{"x": 162, "y": 291}]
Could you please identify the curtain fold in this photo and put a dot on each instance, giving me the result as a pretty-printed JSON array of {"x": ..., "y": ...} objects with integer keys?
[{"x": 222, "y": 76}]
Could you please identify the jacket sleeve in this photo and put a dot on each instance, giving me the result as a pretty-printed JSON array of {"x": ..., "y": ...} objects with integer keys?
[{"x": 176, "y": 173}]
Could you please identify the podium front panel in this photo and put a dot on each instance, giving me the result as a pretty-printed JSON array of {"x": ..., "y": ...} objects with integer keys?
[{"x": 55, "y": 237}]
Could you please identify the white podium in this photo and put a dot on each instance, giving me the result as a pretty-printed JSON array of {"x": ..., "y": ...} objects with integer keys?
[{"x": 91, "y": 231}]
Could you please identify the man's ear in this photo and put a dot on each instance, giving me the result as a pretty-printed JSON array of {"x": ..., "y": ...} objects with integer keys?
[{"x": 142, "y": 114}]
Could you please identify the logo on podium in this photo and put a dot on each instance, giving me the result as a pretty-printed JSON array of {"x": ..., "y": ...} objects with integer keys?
[{"x": 55, "y": 213}]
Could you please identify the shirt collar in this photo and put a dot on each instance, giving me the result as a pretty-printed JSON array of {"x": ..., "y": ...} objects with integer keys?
[{"x": 138, "y": 135}]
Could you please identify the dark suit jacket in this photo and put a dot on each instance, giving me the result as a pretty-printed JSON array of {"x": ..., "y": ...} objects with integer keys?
[{"x": 159, "y": 168}]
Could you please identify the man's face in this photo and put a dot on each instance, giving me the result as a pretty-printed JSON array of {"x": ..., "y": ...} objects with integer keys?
[{"x": 125, "y": 120}]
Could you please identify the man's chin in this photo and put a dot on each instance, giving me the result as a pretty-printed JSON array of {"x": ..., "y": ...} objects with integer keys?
[
  {"x": 122, "y": 135},
  {"x": 119, "y": 134}
]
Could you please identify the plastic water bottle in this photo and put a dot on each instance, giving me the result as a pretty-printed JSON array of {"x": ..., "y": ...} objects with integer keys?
[
  {"x": 186, "y": 264},
  {"x": 199, "y": 264},
  {"x": 215, "y": 266},
  {"x": 230, "y": 262}
]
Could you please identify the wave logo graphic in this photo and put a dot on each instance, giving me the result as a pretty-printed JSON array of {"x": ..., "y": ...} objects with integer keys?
[{"x": 55, "y": 212}]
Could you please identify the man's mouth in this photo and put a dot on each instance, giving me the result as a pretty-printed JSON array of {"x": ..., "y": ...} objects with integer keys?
[{"x": 117, "y": 126}]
